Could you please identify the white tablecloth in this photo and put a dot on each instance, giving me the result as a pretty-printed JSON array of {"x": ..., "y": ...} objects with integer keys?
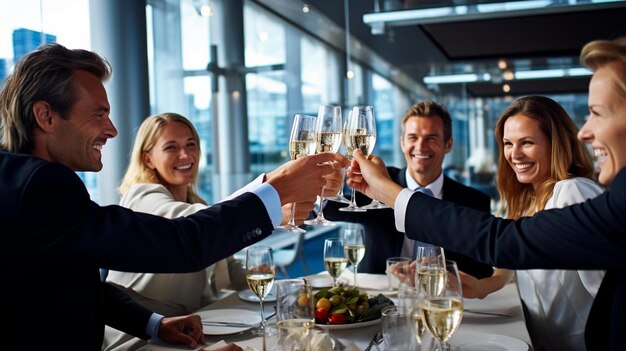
[{"x": 505, "y": 301}]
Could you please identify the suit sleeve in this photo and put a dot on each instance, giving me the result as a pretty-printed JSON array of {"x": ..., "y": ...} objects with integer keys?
[
  {"x": 62, "y": 223},
  {"x": 584, "y": 236},
  {"x": 122, "y": 313}
]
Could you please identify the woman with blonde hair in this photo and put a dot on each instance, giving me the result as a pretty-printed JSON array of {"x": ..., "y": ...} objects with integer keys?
[{"x": 160, "y": 180}]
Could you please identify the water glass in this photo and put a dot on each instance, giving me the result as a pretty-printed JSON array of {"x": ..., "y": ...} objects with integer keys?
[
  {"x": 295, "y": 314},
  {"x": 397, "y": 330},
  {"x": 398, "y": 271}
]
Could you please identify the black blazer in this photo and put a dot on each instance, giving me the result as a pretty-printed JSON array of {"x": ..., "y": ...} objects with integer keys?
[
  {"x": 591, "y": 235},
  {"x": 54, "y": 239},
  {"x": 382, "y": 240}
]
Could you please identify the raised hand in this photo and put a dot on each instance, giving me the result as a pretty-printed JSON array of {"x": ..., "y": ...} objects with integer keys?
[
  {"x": 302, "y": 212},
  {"x": 186, "y": 330},
  {"x": 301, "y": 179},
  {"x": 369, "y": 175}
]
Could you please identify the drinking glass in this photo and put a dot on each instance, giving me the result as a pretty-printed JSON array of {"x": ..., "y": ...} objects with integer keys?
[
  {"x": 260, "y": 273},
  {"x": 354, "y": 245},
  {"x": 295, "y": 314},
  {"x": 328, "y": 131},
  {"x": 360, "y": 133},
  {"x": 397, "y": 329},
  {"x": 430, "y": 270},
  {"x": 302, "y": 142},
  {"x": 339, "y": 197},
  {"x": 368, "y": 111},
  {"x": 408, "y": 301},
  {"x": 398, "y": 272},
  {"x": 334, "y": 259},
  {"x": 442, "y": 314}
]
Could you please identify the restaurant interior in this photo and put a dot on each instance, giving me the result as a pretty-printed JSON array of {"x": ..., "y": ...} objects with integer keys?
[{"x": 240, "y": 70}]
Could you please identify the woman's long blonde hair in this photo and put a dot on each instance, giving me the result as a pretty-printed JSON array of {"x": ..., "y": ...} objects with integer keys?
[
  {"x": 569, "y": 157},
  {"x": 147, "y": 135}
]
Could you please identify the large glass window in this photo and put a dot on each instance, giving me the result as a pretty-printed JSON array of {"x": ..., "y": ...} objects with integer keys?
[
  {"x": 382, "y": 100},
  {"x": 46, "y": 22}
]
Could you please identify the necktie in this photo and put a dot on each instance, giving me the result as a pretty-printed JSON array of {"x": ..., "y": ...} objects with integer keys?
[{"x": 428, "y": 192}]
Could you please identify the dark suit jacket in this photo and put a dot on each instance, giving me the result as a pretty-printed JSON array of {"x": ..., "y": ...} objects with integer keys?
[
  {"x": 54, "y": 238},
  {"x": 591, "y": 235},
  {"x": 382, "y": 240}
]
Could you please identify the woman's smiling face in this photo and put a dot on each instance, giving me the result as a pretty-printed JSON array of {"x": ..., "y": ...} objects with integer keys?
[
  {"x": 527, "y": 149},
  {"x": 605, "y": 130}
]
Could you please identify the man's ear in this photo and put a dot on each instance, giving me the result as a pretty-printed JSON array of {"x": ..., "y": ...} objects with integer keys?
[
  {"x": 449, "y": 144},
  {"x": 43, "y": 115}
]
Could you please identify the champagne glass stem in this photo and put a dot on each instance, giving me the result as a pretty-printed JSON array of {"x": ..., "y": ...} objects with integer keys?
[
  {"x": 355, "y": 268},
  {"x": 320, "y": 214},
  {"x": 262, "y": 327},
  {"x": 292, "y": 219}
]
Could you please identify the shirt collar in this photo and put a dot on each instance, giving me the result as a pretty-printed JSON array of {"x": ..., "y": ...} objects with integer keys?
[{"x": 436, "y": 187}]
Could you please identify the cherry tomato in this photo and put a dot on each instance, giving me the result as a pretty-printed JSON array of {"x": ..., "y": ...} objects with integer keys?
[
  {"x": 321, "y": 315},
  {"x": 337, "y": 318}
]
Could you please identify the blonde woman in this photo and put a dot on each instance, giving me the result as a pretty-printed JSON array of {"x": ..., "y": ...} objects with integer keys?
[{"x": 160, "y": 180}]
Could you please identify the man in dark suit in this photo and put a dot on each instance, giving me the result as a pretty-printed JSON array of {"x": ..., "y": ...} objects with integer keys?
[
  {"x": 425, "y": 140},
  {"x": 54, "y": 120}
]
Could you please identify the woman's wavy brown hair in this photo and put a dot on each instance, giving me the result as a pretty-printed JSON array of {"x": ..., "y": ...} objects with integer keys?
[{"x": 569, "y": 157}]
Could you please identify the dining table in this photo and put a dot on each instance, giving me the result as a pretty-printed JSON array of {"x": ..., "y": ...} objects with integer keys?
[{"x": 493, "y": 323}]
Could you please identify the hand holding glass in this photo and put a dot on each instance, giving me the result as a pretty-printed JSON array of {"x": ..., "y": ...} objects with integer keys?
[
  {"x": 328, "y": 131},
  {"x": 302, "y": 142},
  {"x": 360, "y": 133}
]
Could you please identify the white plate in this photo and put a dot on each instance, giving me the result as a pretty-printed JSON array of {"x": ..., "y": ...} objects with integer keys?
[
  {"x": 229, "y": 315},
  {"x": 488, "y": 342},
  {"x": 248, "y": 295},
  {"x": 347, "y": 325}
]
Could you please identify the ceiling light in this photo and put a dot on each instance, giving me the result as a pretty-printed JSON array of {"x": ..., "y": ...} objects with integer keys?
[
  {"x": 306, "y": 8},
  {"x": 452, "y": 78},
  {"x": 508, "y": 75},
  {"x": 506, "y": 88},
  {"x": 482, "y": 11},
  {"x": 502, "y": 64}
]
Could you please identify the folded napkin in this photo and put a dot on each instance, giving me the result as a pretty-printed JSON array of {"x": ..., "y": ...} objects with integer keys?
[{"x": 223, "y": 343}]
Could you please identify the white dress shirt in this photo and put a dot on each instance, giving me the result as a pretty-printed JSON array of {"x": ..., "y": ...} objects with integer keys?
[{"x": 408, "y": 246}]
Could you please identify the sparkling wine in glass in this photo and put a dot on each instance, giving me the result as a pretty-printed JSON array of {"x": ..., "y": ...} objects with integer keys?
[
  {"x": 354, "y": 245},
  {"x": 295, "y": 313},
  {"x": 430, "y": 270},
  {"x": 339, "y": 197},
  {"x": 442, "y": 314},
  {"x": 328, "y": 131},
  {"x": 260, "y": 274},
  {"x": 302, "y": 142},
  {"x": 335, "y": 260},
  {"x": 360, "y": 133}
]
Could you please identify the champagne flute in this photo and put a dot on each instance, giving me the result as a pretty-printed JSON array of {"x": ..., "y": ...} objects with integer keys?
[
  {"x": 360, "y": 133},
  {"x": 295, "y": 313},
  {"x": 328, "y": 131},
  {"x": 260, "y": 274},
  {"x": 354, "y": 245},
  {"x": 430, "y": 270},
  {"x": 368, "y": 111},
  {"x": 339, "y": 197},
  {"x": 442, "y": 314},
  {"x": 302, "y": 142},
  {"x": 334, "y": 259}
]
